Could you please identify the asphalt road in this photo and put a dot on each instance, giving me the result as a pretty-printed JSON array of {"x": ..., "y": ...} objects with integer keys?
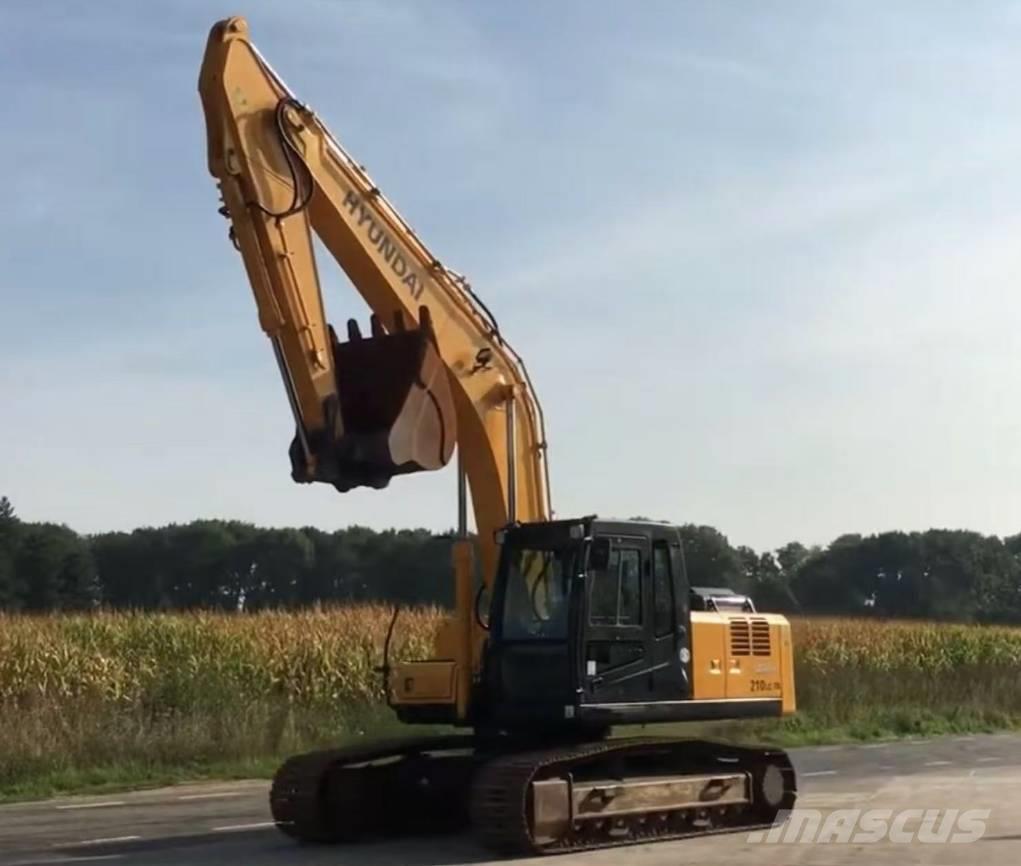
[{"x": 229, "y": 823}]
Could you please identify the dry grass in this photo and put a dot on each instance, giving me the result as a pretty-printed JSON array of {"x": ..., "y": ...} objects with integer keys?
[{"x": 80, "y": 693}]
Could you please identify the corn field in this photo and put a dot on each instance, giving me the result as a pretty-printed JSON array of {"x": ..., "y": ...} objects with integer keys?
[
  {"x": 171, "y": 663},
  {"x": 87, "y": 690}
]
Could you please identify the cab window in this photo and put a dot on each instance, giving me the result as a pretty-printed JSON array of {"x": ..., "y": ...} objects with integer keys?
[
  {"x": 616, "y": 597},
  {"x": 662, "y": 589}
]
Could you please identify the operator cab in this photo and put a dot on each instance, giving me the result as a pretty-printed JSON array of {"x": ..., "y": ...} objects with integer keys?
[{"x": 589, "y": 624}]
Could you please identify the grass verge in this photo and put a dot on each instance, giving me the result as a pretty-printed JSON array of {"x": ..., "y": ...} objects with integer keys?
[{"x": 92, "y": 751}]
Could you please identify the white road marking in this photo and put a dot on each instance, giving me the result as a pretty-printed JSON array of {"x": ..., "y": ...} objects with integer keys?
[
  {"x": 91, "y": 859},
  {"x": 916, "y": 742},
  {"x": 819, "y": 773},
  {"x": 103, "y": 805},
  {"x": 986, "y": 760},
  {"x": 110, "y": 840},
  {"x": 887, "y": 767},
  {"x": 937, "y": 763},
  {"x": 833, "y": 799},
  {"x": 231, "y": 827},
  {"x": 830, "y": 748},
  {"x": 214, "y": 796},
  {"x": 877, "y": 746}
]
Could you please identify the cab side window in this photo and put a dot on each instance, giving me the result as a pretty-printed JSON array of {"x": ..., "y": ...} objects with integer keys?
[{"x": 662, "y": 589}]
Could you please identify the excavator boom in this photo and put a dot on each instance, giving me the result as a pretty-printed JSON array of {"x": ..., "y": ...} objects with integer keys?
[{"x": 435, "y": 368}]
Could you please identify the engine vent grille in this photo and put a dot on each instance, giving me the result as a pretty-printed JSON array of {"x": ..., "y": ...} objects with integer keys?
[
  {"x": 760, "y": 637},
  {"x": 740, "y": 638},
  {"x": 750, "y": 637}
]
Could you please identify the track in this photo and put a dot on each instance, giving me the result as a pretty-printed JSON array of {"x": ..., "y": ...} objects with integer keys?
[
  {"x": 678, "y": 789},
  {"x": 230, "y": 822},
  {"x": 500, "y": 795},
  {"x": 386, "y": 800}
]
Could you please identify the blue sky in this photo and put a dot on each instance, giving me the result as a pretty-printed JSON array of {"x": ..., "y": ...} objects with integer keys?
[{"x": 763, "y": 265}]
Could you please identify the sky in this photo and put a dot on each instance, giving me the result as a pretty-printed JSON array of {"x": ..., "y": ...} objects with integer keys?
[{"x": 762, "y": 260}]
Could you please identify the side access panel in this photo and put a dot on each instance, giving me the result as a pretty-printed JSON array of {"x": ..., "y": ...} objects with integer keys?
[{"x": 742, "y": 656}]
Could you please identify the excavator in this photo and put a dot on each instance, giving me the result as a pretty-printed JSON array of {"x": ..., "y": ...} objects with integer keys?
[{"x": 562, "y": 628}]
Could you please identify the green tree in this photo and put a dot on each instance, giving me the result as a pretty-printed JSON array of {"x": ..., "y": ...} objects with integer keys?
[
  {"x": 938, "y": 574},
  {"x": 959, "y": 575},
  {"x": 413, "y": 567},
  {"x": 200, "y": 559},
  {"x": 237, "y": 570},
  {"x": 11, "y": 589},
  {"x": 751, "y": 566},
  {"x": 830, "y": 581},
  {"x": 709, "y": 559},
  {"x": 279, "y": 557},
  {"x": 791, "y": 556},
  {"x": 334, "y": 569},
  {"x": 56, "y": 569},
  {"x": 135, "y": 568},
  {"x": 762, "y": 578}
]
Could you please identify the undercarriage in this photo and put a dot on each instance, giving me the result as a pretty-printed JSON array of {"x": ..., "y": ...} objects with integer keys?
[{"x": 522, "y": 800}]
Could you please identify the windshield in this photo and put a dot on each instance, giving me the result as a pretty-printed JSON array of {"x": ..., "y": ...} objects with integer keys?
[{"x": 536, "y": 599}]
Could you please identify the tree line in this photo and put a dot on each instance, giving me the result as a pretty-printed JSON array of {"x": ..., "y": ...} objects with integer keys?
[{"x": 229, "y": 565}]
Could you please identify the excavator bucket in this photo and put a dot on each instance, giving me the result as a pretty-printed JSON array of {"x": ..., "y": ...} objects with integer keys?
[{"x": 396, "y": 412}]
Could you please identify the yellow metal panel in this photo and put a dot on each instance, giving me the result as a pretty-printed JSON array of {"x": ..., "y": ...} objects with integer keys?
[
  {"x": 787, "y": 667},
  {"x": 430, "y": 682},
  {"x": 742, "y": 656},
  {"x": 754, "y": 655},
  {"x": 738, "y": 666},
  {"x": 708, "y": 650}
]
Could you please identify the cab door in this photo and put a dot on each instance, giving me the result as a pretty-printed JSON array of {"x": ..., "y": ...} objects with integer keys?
[
  {"x": 670, "y": 621},
  {"x": 616, "y": 654}
]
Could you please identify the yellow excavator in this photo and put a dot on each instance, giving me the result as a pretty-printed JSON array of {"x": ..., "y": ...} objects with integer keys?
[{"x": 578, "y": 625}]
